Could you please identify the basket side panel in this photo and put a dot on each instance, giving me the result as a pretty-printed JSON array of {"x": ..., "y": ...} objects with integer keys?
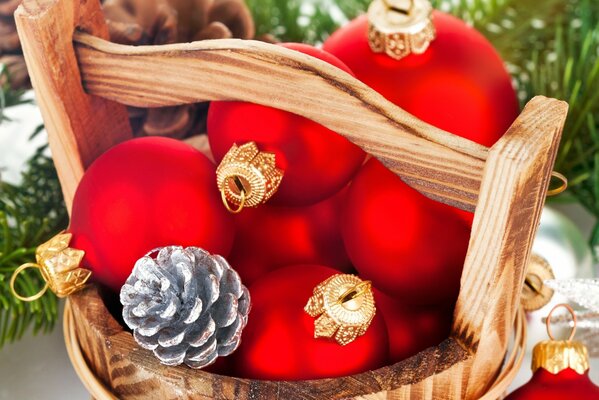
[
  {"x": 513, "y": 192},
  {"x": 80, "y": 127}
]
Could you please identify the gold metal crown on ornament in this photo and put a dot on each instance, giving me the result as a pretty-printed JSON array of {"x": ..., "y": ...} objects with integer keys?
[
  {"x": 400, "y": 27},
  {"x": 247, "y": 177},
  {"x": 59, "y": 265},
  {"x": 557, "y": 355},
  {"x": 344, "y": 305}
]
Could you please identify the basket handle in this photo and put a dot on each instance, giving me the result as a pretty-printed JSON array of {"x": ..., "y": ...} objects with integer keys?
[{"x": 441, "y": 165}]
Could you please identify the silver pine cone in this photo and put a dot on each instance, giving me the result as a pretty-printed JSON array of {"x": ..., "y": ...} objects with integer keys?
[{"x": 185, "y": 305}]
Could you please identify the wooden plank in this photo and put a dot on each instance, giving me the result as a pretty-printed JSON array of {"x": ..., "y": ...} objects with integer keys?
[
  {"x": 134, "y": 373},
  {"x": 443, "y": 166},
  {"x": 80, "y": 127},
  {"x": 512, "y": 195}
]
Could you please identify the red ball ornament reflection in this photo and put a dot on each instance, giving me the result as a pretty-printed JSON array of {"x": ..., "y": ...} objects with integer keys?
[
  {"x": 270, "y": 237},
  {"x": 410, "y": 247},
  {"x": 316, "y": 161},
  {"x": 143, "y": 194},
  {"x": 278, "y": 342},
  {"x": 458, "y": 84}
]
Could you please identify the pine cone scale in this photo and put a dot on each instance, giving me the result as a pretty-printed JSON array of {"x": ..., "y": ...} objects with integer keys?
[
  {"x": 199, "y": 337},
  {"x": 185, "y": 305}
]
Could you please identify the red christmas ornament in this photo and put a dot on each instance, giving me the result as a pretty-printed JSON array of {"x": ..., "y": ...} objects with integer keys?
[
  {"x": 143, "y": 194},
  {"x": 316, "y": 161},
  {"x": 278, "y": 342},
  {"x": 410, "y": 247},
  {"x": 458, "y": 84},
  {"x": 412, "y": 329},
  {"x": 271, "y": 237},
  {"x": 561, "y": 370}
]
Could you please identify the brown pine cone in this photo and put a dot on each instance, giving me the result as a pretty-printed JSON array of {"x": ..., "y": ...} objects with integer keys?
[
  {"x": 11, "y": 54},
  {"x": 155, "y": 22}
]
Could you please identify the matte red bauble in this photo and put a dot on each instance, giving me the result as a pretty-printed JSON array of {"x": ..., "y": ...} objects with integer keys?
[
  {"x": 278, "y": 342},
  {"x": 316, "y": 161},
  {"x": 143, "y": 194},
  {"x": 567, "y": 384},
  {"x": 458, "y": 84},
  {"x": 412, "y": 329},
  {"x": 410, "y": 247},
  {"x": 271, "y": 237}
]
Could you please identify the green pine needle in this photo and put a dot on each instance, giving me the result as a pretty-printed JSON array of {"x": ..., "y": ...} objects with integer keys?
[{"x": 30, "y": 213}]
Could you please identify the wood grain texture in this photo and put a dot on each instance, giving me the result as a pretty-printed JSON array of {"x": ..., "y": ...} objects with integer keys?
[
  {"x": 133, "y": 373},
  {"x": 80, "y": 127},
  {"x": 508, "y": 182},
  {"x": 513, "y": 191},
  {"x": 443, "y": 166}
]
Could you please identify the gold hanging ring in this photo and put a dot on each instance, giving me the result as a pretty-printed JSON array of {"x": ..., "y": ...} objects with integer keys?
[
  {"x": 559, "y": 189},
  {"x": 400, "y": 10},
  {"x": 13, "y": 278},
  {"x": 223, "y": 195},
  {"x": 548, "y": 321},
  {"x": 356, "y": 291}
]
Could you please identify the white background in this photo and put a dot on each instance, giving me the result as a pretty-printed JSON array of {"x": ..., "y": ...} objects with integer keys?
[{"x": 38, "y": 367}]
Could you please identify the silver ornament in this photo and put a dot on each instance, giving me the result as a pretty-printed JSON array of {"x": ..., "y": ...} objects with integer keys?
[
  {"x": 185, "y": 305},
  {"x": 563, "y": 246},
  {"x": 584, "y": 293}
]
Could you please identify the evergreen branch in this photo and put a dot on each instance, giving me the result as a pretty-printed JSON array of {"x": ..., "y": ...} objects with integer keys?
[
  {"x": 8, "y": 96},
  {"x": 30, "y": 213}
]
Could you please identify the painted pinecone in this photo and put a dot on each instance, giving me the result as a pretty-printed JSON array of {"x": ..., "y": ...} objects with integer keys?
[{"x": 185, "y": 305}]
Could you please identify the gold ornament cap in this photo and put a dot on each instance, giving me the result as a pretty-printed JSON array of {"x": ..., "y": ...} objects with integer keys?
[
  {"x": 247, "y": 177},
  {"x": 399, "y": 28},
  {"x": 557, "y": 355},
  {"x": 59, "y": 266},
  {"x": 535, "y": 294},
  {"x": 343, "y": 306}
]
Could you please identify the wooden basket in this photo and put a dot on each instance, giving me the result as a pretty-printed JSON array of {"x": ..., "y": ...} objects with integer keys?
[{"x": 82, "y": 83}]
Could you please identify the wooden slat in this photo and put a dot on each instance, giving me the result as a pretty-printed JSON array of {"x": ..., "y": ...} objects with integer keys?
[
  {"x": 80, "y": 127},
  {"x": 513, "y": 192},
  {"x": 443, "y": 166},
  {"x": 134, "y": 373}
]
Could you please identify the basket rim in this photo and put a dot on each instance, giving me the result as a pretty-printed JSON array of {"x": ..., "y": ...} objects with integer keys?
[{"x": 99, "y": 391}]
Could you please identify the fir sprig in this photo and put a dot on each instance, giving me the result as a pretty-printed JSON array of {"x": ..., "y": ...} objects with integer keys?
[
  {"x": 30, "y": 213},
  {"x": 8, "y": 96}
]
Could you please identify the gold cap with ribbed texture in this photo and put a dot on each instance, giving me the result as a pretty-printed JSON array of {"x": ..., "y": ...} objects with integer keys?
[
  {"x": 557, "y": 355},
  {"x": 400, "y": 27}
]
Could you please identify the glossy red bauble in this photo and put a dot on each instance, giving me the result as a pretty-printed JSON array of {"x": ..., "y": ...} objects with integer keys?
[
  {"x": 143, "y": 194},
  {"x": 270, "y": 237},
  {"x": 567, "y": 384},
  {"x": 410, "y": 247},
  {"x": 316, "y": 161},
  {"x": 412, "y": 329},
  {"x": 278, "y": 342},
  {"x": 459, "y": 84}
]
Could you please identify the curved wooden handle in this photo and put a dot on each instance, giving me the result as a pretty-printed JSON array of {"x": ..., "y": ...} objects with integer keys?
[{"x": 443, "y": 166}]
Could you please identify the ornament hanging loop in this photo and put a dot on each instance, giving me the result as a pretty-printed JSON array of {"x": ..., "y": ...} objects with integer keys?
[
  {"x": 247, "y": 177},
  {"x": 354, "y": 292},
  {"x": 60, "y": 267},
  {"x": 559, "y": 189},
  {"x": 393, "y": 5},
  {"x": 548, "y": 321},
  {"x": 13, "y": 279},
  {"x": 241, "y": 204}
]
